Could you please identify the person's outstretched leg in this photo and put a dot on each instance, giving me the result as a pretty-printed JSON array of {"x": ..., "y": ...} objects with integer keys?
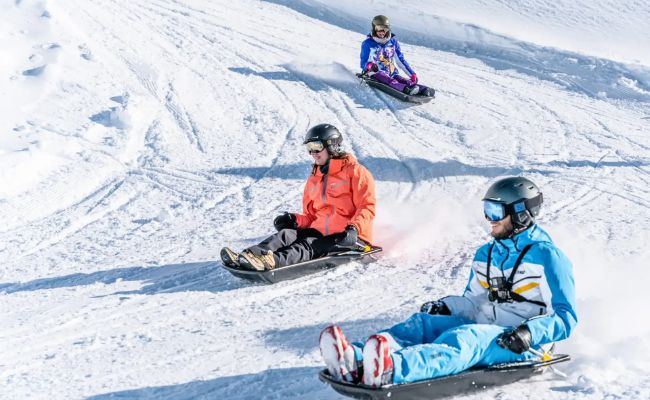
[
  {"x": 409, "y": 87},
  {"x": 384, "y": 78},
  {"x": 274, "y": 242},
  {"x": 422, "y": 328},
  {"x": 455, "y": 350},
  {"x": 378, "y": 363},
  {"x": 301, "y": 249}
]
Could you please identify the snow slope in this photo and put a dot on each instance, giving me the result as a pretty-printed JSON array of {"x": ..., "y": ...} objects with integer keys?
[{"x": 138, "y": 138}]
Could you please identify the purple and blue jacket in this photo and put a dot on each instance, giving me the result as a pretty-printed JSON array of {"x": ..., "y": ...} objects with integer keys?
[{"x": 383, "y": 55}]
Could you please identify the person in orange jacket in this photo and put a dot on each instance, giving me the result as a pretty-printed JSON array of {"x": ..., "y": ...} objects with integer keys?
[{"x": 338, "y": 210}]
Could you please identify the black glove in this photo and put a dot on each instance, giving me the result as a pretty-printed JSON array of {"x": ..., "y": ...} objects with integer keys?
[
  {"x": 285, "y": 221},
  {"x": 435, "y": 308},
  {"x": 348, "y": 238},
  {"x": 516, "y": 340}
]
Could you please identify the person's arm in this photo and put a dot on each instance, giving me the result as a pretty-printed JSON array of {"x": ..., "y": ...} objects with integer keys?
[
  {"x": 363, "y": 197},
  {"x": 365, "y": 54},
  {"x": 559, "y": 323},
  {"x": 402, "y": 59}
]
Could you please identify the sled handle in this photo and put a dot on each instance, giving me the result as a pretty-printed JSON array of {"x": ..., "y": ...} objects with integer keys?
[{"x": 547, "y": 357}]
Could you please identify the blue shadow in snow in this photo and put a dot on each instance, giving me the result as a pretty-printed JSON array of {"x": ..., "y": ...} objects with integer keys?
[
  {"x": 196, "y": 277},
  {"x": 418, "y": 169},
  {"x": 574, "y": 72},
  {"x": 384, "y": 169},
  {"x": 281, "y": 384}
]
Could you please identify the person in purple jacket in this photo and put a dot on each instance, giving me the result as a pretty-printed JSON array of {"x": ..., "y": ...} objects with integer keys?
[{"x": 378, "y": 61}]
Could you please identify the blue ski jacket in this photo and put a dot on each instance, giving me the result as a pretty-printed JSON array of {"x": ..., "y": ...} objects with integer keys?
[
  {"x": 543, "y": 281},
  {"x": 383, "y": 55}
]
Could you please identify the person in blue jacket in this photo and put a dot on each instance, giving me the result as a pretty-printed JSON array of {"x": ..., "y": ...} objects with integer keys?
[
  {"x": 520, "y": 296},
  {"x": 378, "y": 59}
]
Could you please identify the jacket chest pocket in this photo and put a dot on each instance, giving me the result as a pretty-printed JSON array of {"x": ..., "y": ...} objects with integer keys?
[{"x": 338, "y": 189}]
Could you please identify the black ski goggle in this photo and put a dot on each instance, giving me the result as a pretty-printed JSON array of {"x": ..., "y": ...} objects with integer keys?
[{"x": 314, "y": 147}]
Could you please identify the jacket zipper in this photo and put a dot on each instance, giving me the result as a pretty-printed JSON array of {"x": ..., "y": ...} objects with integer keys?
[{"x": 324, "y": 198}]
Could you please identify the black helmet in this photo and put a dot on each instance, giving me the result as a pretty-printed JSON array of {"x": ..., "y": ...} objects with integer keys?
[
  {"x": 328, "y": 135},
  {"x": 381, "y": 20},
  {"x": 515, "y": 196}
]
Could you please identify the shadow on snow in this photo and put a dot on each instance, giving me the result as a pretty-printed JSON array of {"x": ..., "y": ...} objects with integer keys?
[
  {"x": 200, "y": 276},
  {"x": 281, "y": 384},
  {"x": 393, "y": 170}
]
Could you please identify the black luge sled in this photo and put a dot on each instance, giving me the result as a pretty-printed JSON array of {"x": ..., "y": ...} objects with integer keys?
[
  {"x": 472, "y": 380},
  {"x": 307, "y": 267},
  {"x": 418, "y": 98}
]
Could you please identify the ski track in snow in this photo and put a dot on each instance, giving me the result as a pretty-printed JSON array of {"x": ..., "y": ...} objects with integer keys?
[{"x": 180, "y": 130}]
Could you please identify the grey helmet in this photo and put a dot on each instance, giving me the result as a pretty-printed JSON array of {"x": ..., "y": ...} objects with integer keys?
[
  {"x": 380, "y": 20},
  {"x": 520, "y": 197},
  {"x": 327, "y": 134}
]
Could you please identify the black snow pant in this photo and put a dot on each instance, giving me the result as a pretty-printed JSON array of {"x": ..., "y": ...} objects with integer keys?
[{"x": 291, "y": 246}]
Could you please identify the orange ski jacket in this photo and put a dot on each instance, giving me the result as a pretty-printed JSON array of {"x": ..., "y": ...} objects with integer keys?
[{"x": 344, "y": 196}]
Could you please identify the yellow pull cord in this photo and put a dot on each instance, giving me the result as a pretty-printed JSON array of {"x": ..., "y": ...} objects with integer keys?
[{"x": 547, "y": 357}]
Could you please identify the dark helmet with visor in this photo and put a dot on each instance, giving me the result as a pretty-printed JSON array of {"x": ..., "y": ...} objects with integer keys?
[
  {"x": 380, "y": 22},
  {"x": 515, "y": 196},
  {"x": 324, "y": 136}
]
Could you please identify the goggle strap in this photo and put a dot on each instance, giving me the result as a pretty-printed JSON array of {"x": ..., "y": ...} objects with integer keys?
[{"x": 529, "y": 203}]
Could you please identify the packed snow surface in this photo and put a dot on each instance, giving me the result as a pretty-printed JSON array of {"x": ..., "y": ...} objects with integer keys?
[{"x": 139, "y": 137}]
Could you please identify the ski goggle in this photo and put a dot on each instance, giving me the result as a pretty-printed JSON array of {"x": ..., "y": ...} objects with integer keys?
[
  {"x": 314, "y": 147},
  {"x": 494, "y": 211},
  {"x": 381, "y": 28}
]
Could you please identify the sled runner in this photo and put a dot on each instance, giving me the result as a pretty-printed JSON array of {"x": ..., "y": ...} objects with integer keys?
[
  {"x": 305, "y": 268},
  {"x": 472, "y": 380},
  {"x": 418, "y": 98}
]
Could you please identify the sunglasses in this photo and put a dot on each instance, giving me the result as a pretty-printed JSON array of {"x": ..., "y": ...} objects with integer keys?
[
  {"x": 494, "y": 211},
  {"x": 314, "y": 147}
]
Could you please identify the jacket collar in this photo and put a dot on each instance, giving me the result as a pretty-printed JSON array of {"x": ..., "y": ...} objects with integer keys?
[
  {"x": 336, "y": 164},
  {"x": 532, "y": 234},
  {"x": 381, "y": 41}
]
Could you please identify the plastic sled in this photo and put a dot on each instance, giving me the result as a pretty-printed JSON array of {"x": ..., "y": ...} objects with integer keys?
[
  {"x": 472, "y": 380},
  {"x": 307, "y": 267},
  {"x": 418, "y": 98}
]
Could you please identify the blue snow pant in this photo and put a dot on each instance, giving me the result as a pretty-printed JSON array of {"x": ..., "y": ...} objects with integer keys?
[
  {"x": 397, "y": 82},
  {"x": 428, "y": 346}
]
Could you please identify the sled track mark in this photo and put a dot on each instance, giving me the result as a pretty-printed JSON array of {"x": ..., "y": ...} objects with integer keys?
[
  {"x": 210, "y": 42},
  {"x": 182, "y": 118},
  {"x": 157, "y": 182}
]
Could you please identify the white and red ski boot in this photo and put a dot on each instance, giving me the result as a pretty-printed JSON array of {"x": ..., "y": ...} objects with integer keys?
[
  {"x": 338, "y": 355},
  {"x": 377, "y": 362}
]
